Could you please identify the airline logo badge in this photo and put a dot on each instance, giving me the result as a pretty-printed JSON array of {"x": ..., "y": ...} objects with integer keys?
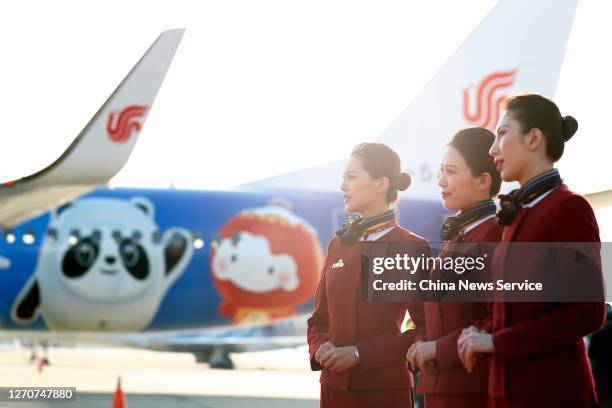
[
  {"x": 481, "y": 103},
  {"x": 128, "y": 120}
]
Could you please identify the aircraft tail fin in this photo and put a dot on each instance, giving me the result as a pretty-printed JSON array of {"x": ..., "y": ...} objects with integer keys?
[{"x": 518, "y": 47}]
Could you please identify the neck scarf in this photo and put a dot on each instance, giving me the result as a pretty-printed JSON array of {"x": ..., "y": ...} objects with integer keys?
[
  {"x": 512, "y": 202},
  {"x": 454, "y": 225},
  {"x": 357, "y": 227}
]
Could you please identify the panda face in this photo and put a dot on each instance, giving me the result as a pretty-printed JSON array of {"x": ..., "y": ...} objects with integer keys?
[
  {"x": 105, "y": 263},
  {"x": 82, "y": 255}
]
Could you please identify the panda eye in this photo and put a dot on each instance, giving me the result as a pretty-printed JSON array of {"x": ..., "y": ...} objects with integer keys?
[
  {"x": 84, "y": 254},
  {"x": 271, "y": 270},
  {"x": 129, "y": 253},
  {"x": 234, "y": 258}
]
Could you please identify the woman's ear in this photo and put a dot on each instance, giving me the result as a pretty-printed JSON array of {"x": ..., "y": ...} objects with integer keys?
[
  {"x": 535, "y": 139},
  {"x": 382, "y": 185},
  {"x": 484, "y": 182}
]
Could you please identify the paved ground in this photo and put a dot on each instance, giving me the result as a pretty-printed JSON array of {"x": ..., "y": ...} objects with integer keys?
[
  {"x": 174, "y": 401},
  {"x": 279, "y": 378}
]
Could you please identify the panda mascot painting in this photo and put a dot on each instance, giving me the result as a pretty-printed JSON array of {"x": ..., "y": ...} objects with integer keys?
[
  {"x": 103, "y": 266},
  {"x": 265, "y": 262}
]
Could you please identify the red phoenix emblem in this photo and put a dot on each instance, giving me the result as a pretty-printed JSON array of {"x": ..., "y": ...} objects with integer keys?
[
  {"x": 120, "y": 130},
  {"x": 484, "y": 110}
]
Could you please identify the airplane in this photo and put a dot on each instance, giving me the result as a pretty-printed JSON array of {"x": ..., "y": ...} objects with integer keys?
[{"x": 211, "y": 272}]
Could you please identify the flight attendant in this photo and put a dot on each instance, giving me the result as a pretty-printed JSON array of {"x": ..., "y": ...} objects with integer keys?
[
  {"x": 469, "y": 181},
  {"x": 537, "y": 350},
  {"x": 359, "y": 345}
]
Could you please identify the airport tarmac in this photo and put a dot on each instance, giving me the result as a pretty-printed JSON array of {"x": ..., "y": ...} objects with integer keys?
[{"x": 277, "y": 378}]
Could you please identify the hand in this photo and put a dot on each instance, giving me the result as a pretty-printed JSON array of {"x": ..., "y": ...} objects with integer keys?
[
  {"x": 425, "y": 355},
  {"x": 472, "y": 344},
  {"x": 339, "y": 358},
  {"x": 411, "y": 356},
  {"x": 323, "y": 348}
]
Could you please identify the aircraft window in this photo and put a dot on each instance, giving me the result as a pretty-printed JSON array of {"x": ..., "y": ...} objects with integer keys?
[
  {"x": 10, "y": 237},
  {"x": 198, "y": 241},
  {"x": 28, "y": 237}
]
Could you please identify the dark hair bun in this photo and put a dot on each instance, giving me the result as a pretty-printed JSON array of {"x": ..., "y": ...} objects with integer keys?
[
  {"x": 404, "y": 181},
  {"x": 569, "y": 126}
]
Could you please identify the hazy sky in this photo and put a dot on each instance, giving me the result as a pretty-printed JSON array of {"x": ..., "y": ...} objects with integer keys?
[{"x": 259, "y": 88}]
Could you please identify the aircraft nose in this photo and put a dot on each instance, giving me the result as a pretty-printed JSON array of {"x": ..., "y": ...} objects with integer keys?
[{"x": 110, "y": 260}]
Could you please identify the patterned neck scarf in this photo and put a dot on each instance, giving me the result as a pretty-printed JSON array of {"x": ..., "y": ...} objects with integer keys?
[
  {"x": 455, "y": 224},
  {"x": 512, "y": 202},
  {"x": 357, "y": 227}
]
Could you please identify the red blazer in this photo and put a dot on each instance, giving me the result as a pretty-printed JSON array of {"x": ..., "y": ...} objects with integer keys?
[
  {"x": 444, "y": 322},
  {"x": 374, "y": 327},
  {"x": 539, "y": 347}
]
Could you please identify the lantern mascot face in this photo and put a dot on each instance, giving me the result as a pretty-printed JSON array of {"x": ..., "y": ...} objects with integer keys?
[{"x": 266, "y": 263}]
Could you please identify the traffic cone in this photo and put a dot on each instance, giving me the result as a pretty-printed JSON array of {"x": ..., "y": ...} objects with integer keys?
[
  {"x": 119, "y": 398},
  {"x": 40, "y": 365}
]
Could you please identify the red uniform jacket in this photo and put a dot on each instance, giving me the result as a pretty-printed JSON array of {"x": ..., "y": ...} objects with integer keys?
[
  {"x": 539, "y": 347},
  {"x": 444, "y": 322},
  {"x": 374, "y": 327}
]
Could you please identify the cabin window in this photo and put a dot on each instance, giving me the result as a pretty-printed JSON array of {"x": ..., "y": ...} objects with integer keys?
[
  {"x": 28, "y": 237},
  {"x": 9, "y": 237},
  {"x": 198, "y": 240}
]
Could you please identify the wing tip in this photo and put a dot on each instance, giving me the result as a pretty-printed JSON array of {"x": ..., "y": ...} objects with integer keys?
[{"x": 179, "y": 31}]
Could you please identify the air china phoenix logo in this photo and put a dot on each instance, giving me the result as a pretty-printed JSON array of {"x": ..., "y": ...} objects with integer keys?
[
  {"x": 127, "y": 121},
  {"x": 481, "y": 104}
]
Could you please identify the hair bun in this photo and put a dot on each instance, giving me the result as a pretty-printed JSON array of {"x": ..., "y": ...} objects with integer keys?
[
  {"x": 403, "y": 182},
  {"x": 569, "y": 126}
]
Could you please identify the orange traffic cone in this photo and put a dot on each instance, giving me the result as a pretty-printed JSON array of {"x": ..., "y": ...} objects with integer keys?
[
  {"x": 40, "y": 365},
  {"x": 119, "y": 398}
]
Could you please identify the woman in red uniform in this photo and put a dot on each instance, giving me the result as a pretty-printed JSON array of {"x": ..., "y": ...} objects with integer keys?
[
  {"x": 359, "y": 345},
  {"x": 468, "y": 180},
  {"x": 538, "y": 353}
]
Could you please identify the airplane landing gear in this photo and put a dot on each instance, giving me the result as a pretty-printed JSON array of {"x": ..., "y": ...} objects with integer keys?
[
  {"x": 202, "y": 356},
  {"x": 41, "y": 353},
  {"x": 45, "y": 353},
  {"x": 220, "y": 359}
]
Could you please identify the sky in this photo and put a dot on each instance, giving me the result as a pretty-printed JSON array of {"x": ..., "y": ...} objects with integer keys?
[{"x": 259, "y": 88}]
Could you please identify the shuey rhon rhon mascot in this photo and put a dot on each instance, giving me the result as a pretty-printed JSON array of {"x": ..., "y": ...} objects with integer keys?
[
  {"x": 265, "y": 263},
  {"x": 103, "y": 266}
]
